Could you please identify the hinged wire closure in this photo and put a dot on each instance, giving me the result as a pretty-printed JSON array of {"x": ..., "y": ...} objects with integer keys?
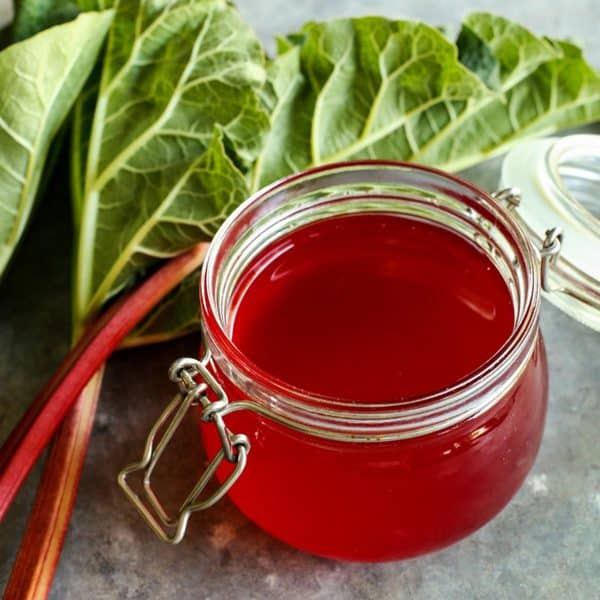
[
  {"x": 194, "y": 381},
  {"x": 511, "y": 198},
  {"x": 549, "y": 253}
]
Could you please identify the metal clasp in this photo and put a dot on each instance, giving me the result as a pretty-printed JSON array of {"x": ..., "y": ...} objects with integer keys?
[
  {"x": 549, "y": 253},
  {"x": 510, "y": 197},
  {"x": 194, "y": 381}
]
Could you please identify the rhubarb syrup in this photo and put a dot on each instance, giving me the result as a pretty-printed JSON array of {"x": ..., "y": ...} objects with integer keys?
[
  {"x": 377, "y": 308},
  {"x": 412, "y": 305}
]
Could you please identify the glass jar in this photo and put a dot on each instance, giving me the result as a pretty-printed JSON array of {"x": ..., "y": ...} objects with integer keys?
[{"x": 366, "y": 481}]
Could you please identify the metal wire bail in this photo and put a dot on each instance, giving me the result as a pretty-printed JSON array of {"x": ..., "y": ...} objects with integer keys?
[
  {"x": 194, "y": 381},
  {"x": 549, "y": 253},
  {"x": 509, "y": 197}
]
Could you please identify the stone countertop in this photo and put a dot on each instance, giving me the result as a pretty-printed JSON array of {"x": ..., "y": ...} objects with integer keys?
[{"x": 545, "y": 544}]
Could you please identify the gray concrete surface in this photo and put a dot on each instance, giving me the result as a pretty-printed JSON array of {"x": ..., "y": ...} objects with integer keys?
[{"x": 545, "y": 544}]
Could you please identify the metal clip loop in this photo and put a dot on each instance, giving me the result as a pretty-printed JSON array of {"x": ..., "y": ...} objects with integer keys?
[
  {"x": 511, "y": 197},
  {"x": 194, "y": 381},
  {"x": 549, "y": 253}
]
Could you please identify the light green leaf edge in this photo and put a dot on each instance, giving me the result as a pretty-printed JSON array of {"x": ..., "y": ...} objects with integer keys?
[{"x": 41, "y": 78}]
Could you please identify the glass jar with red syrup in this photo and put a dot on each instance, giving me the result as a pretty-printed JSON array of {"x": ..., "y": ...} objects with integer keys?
[{"x": 359, "y": 475}]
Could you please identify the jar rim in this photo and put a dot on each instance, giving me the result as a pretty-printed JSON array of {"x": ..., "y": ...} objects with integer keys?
[{"x": 454, "y": 403}]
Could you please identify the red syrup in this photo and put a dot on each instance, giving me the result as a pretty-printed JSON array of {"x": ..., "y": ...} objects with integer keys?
[
  {"x": 413, "y": 305},
  {"x": 376, "y": 308}
]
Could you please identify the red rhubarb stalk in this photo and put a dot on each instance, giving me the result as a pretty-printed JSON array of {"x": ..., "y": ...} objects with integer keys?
[
  {"x": 40, "y": 422},
  {"x": 33, "y": 571}
]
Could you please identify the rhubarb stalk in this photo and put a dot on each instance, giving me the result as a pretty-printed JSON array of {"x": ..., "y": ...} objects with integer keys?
[
  {"x": 37, "y": 561},
  {"x": 34, "y": 567}
]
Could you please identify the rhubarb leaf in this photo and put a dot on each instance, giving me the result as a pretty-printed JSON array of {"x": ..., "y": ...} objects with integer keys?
[
  {"x": 565, "y": 93},
  {"x": 33, "y": 16},
  {"x": 180, "y": 82},
  {"x": 344, "y": 89},
  {"x": 36, "y": 95},
  {"x": 478, "y": 57},
  {"x": 96, "y": 4},
  {"x": 515, "y": 50},
  {"x": 177, "y": 315},
  {"x": 192, "y": 201},
  {"x": 375, "y": 88},
  {"x": 538, "y": 97},
  {"x": 362, "y": 88}
]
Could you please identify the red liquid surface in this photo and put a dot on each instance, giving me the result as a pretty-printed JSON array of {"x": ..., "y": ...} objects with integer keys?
[
  {"x": 374, "y": 308},
  {"x": 412, "y": 305}
]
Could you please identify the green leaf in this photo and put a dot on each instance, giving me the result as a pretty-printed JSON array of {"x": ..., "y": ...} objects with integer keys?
[
  {"x": 362, "y": 88},
  {"x": 537, "y": 99},
  {"x": 478, "y": 57},
  {"x": 157, "y": 178},
  {"x": 516, "y": 50},
  {"x": 35, "y": 97},
  {"x": 97, "y": 4},
  {"x": 565, "y": 92},
  {"x": 190, "y": 202},
  {"x": 164, "y": 147},
  {"x": 177, "y": 315},
  {"x": 375, "y": 88},
  {"x": 33, "y": 16}
]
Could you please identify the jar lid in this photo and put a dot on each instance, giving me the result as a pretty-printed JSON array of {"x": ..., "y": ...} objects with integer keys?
[{"x": 559, "y": 182}]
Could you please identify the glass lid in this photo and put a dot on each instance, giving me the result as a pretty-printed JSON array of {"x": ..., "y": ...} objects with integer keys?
[{"x": 559, "y": 181}]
